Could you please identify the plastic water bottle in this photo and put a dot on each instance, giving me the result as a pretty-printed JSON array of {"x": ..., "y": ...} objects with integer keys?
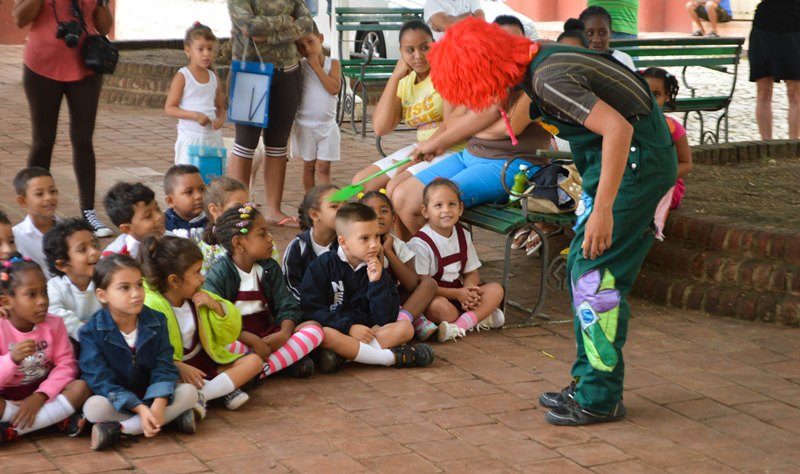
[{"x": 520, "y": 183}]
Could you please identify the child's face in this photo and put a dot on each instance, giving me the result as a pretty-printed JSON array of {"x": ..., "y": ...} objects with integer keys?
[
  {"x": 659, "y": 92},
  {"x": 310, "y": 44},
  {"x": 257, "y": 242},
  {"x": 83, "y": 252},
  {"x": 200, "y": 52},
  {"x": 124, "y": 295},
  {"x": 598, "y": 33},
  {"x": 147, "y": 220},
  {"x": 191, "y": 282},
  {"x": 187, "y": 196},
  {"x": 361, "y": 240},
  {"x": 28, "y": 302},
  {"x": 7, "y": 245},
  {"x": 232, "y": 199},
  {"x": 324, "y": 218},
  {"x": 41, "y": 197},
  {"x": 414, "y": 48},
  {"x": 443, "y": 209},
  {"x": 384, "y": 212}
]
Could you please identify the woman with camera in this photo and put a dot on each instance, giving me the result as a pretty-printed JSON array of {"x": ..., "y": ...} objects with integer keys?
[{"x": 54, "y": 68}]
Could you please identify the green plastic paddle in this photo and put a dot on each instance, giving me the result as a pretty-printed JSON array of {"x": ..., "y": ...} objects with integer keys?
[{"x": 348, "y": 192}]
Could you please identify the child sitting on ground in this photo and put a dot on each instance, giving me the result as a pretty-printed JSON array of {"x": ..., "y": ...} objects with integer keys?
[
  {"x": 222, "y": 193},
  {"x": 196, "y": 96},
  {"x": 316, "y": 134},
  {"x": 126, "y": 358},
  {"x": 183, "y": 193},
  {"x": 200, "y": 323},
  {"x": 271, "y": 320},
  {"x": 318, "y": 221},
  {"x": 38, "y": 195},
  {"x": 356, "y": 301},
  {"x": 134, "y": 210},
  {"x": 8, "y": 247},
  {"x": 37, "y": 368},
  {"x": 72, "y": 252},
  {"x": 416, "y": 292},
  {"x": 444, "y": 251}
]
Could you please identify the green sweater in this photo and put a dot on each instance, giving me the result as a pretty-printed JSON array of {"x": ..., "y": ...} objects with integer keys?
[
  {"x": 624, "y": 14},
  {"x": 214, "y": 331},
  {"x": 223, "y": 279}
]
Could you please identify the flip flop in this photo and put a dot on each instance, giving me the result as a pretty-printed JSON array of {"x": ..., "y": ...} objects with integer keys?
[
  {"x": 697, "y": 33},
  {"x": 290, "y": 222},
  {"x": 520, "y": 237},
  {"x": 534, "y": 242}
]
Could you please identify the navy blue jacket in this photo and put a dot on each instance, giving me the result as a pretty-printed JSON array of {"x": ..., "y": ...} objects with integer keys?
[
  {"x": 336, "y": 296},
  {"x": 180, "y": 227},
  {"x": 114, "y": 371}
]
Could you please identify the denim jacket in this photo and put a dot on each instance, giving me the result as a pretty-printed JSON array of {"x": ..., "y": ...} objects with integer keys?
[{"x": 125, "y": 377}]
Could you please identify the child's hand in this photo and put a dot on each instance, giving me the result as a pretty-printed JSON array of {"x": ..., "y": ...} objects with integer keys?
[
  {"x": 22, "y": 350},
  {"x": 218, "y": 123},
  {"x": 28, "y": 409},
  {"x": 157, "y": 408},
  {"x": 388, "y": 243},
  {"x": 261, "y": 348},
  {"x": 362, "y": 333},
  {"x": 466, "y": 297},
  {"x": 202, "y": 119},
  {"x": 204, "y": 299},
  {"x": 277, "y": 339},
  {"x": 189, "y": 374},
  {"x": 150, "y": 425},
  {"x": 374, "y": 269}
]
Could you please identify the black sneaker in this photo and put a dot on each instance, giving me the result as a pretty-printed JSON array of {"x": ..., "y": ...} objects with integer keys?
[
  {"x": 105, "y": 434},
  {"x": 302, "y": 369},
  {"x": 73, "y": 425},
  {"x": 184, "y": 423},
  {"x": 7, "y": 432},
  {"x": 557, "y": 399},
  {"x": 418, "y": 355},
  {"x": 329, "y": 361},
  {"x": 99, "y": 229},
  {"x": 572, "y": 414}
]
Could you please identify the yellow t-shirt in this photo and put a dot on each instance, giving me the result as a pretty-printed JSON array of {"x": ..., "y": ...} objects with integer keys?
[{"x": 423, "y": 107}]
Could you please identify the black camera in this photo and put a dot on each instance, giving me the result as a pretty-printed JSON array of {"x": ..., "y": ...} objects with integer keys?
[{"x": 70, "y": 31}]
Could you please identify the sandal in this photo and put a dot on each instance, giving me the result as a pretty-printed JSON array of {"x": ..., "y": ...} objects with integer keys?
[
  {"x": 520, "y": 237},
  {"x": 534, "y": 242},
  {"x": 291, "y": 222},
  {"x": 697, "y": 33}
]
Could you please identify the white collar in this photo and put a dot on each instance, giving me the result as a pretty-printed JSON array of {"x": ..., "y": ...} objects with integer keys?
[
  {"x": 343, "y": 257},
  {"x": 27, "y": 226}
]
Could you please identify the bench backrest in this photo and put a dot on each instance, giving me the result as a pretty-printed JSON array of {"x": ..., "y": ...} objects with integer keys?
[
  {"x": 662, "y": 52},
  {"x": 352, "y": 19}
]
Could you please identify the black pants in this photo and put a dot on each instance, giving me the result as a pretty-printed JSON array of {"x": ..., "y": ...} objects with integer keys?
[{"x": 44, "y": 99}]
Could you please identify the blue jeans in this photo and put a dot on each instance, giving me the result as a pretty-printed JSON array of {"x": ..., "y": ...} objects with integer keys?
[
  {"x": 616, "y": 35},
  {"x": 477, "y": 178}
]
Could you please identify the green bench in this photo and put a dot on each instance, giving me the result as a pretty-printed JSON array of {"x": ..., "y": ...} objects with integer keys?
[
  {"x": 720, "y": 55},
  {"x": 506, "y": 221},
  {"x": 366, "y": 63}
]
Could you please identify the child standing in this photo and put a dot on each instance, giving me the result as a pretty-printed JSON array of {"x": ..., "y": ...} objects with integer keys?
[
  {"x": 444, "y": 251},
  {"x": 132, "y": 208},
  {"x": 200, "y": 323},
  {"x": 183, "y": 192},
  {"x": 271, "y": 320},
  {"x": 416, "y": 291},
  {"x": 8, "y": 247},
  {"x": 316, "y": 133},
  {"x": 357, "y": 302},
  {"x": 72, "y": 252},
  {"x": 318, "y": 221},
  {"x": 38, "y": 195},
  {"x": 126, "y": 358},
  {"x": 37, "y": 368},
  {"x": 196, "y": 96}
]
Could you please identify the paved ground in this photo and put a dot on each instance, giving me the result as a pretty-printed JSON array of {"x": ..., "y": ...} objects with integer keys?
[{"x": 703, "y": 394}]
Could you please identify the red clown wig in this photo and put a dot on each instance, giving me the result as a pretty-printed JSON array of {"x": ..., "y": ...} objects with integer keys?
[{"x": 476, "y": 63}]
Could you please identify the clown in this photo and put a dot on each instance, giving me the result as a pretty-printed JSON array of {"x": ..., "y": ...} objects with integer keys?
[{"x": 622, "y": 148}]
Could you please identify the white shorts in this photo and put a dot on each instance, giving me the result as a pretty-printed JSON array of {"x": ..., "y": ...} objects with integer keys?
[
  {"x": 402, "y": 154},
  {"x": 185, "y": 139},
  {"x": 317, "y": 143}
]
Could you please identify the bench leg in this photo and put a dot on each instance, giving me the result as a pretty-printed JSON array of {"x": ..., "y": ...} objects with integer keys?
[
  {"x": 353, "y": 109},
  {"x": 364, "y": 101}
]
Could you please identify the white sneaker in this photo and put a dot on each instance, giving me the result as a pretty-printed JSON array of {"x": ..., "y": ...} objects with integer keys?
[
  {"x": 199, "y": 408},
  {"x": 496, "y": 320},
  {"x": 98, "y": 228},
  {"x": 236, "y": 399},
  {"x": 449, "y": 331}
]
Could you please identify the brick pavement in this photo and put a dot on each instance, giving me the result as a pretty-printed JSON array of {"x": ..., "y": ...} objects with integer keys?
[{"x": 703, "y": 394}]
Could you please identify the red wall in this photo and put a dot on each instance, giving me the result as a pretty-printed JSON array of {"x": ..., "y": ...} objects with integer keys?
[{"x": 10, "y": 34}]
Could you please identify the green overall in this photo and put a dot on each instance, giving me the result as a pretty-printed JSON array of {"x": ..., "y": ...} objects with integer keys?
[{"x": 599, "y": 287}]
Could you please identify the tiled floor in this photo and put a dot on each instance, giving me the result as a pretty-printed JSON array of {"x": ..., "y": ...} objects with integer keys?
[{"x": 703, "y": 394}]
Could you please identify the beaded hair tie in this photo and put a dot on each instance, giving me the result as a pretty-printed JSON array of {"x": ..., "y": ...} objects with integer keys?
[
  {"x": 361, "y": 195},
  {"x": 245, "y": 213},
  {"x": 4, "y": 276}
]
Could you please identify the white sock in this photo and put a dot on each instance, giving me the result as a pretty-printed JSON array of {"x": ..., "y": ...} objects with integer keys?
[
  {"x": 9, "y": 411},
  {"x": 368, "y": 354},
  {"x": 219, "y": 386},
  {"x": 374, "y": 343},
  {"x": 50, "y": 414},
  {"x": 132, "y": 426}
]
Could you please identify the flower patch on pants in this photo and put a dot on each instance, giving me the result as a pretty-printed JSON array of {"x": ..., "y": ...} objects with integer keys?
[{"x": 596, "y": 303}]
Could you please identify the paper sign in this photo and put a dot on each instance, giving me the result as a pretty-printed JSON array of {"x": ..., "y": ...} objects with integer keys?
[{"x": 250, "y": 86}]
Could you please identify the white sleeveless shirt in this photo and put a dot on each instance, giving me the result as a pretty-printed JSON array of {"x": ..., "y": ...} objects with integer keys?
[
  {"x": 317, "y": 106},
  {"x": 198, "y": 97}
]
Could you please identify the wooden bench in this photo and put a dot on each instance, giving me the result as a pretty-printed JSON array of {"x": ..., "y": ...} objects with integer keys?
[
  {"x": 506, "y": 221},
  {"x": 366, "y": 63},
  {"x": 715, "y": 54}
]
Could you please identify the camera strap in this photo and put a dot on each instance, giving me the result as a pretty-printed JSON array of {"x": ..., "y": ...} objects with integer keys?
[{"x": 77, "y": 12}]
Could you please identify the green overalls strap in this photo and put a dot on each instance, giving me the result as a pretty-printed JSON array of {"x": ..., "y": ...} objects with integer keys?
[{"x": 599, "y": 287}]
